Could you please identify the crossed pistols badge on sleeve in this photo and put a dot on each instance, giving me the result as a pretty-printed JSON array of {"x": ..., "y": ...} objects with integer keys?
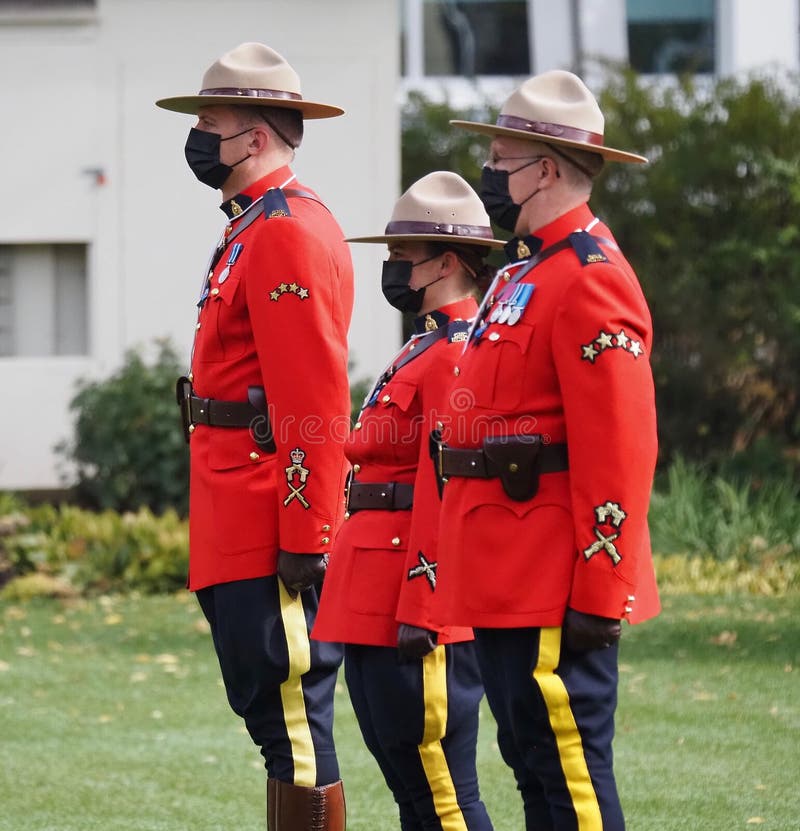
[{"x": 297, "y": 478}]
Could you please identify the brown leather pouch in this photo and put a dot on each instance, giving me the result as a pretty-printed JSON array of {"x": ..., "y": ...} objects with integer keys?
[{"x": 515, "y": 460}]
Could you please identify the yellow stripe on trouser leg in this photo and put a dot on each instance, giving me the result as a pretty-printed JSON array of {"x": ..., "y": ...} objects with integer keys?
[
  {"x": 434, "y": 692},
  {"x": 568, "y": 739},
  {"x": 294, "y": 705}
]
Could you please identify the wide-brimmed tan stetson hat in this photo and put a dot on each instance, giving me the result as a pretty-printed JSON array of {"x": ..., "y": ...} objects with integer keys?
[
  {"x": 557, "y": 108},
  {"x": 252, "y": 73},
  {"x": 439, "y": 207}
]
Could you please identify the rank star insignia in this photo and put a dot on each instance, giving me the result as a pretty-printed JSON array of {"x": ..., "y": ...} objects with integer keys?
[
  {"x": 604, "y": 341},
  {"x": 611, "y": 341},
  {"x": 589, "y": 353},
  {"x": 288, "y": 288},
  {"x": 425, "y": 569}
]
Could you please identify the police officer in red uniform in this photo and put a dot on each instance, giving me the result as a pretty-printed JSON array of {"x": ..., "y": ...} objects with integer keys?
[
  {"x": 548, "y": 452},
  {"x": 415, "y": 688},
  {"x": 265, "y": 407}
]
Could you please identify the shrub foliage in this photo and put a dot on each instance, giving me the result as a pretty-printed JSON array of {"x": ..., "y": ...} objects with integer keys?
[{"x": 128, "y": 449}]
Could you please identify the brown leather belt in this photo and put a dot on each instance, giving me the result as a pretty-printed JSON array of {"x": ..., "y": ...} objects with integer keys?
[
  {"x": 454, "y": 461},
  {"x": 379, "y": 496}
]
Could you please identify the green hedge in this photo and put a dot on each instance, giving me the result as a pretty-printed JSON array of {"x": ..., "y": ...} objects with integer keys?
[{"x": 711, "y": 534}]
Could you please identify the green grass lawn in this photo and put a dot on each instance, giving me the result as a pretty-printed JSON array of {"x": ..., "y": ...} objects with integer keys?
[{"x": 112, "y": 717}]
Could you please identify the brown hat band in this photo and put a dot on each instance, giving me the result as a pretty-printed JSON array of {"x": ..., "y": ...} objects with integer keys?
[
  {"x": 398, "y": 228},
  {"x": 244, "y": 92},
  {"x": 547, "y": 129}
]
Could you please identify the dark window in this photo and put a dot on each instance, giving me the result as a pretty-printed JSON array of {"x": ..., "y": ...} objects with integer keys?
[
  {"x": 472, "y": 37},
  {"x": 671, "y": 36}
]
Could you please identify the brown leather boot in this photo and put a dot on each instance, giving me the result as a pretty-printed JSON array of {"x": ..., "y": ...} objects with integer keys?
[{"x": 295, "y": 808}]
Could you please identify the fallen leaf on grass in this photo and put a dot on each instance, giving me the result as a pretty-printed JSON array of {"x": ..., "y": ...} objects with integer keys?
[
  {"x": 112, "y": 620},
  {"x": 755, "y": 820},
  {"x": 703, "y": 695},
  {"x": 725, "y": 638},
  {"x": 166, "y": 658},
  {"x": 4, "y": 667}
]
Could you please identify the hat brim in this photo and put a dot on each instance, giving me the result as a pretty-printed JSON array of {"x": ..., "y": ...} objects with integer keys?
[
  {"x": 445, "y": 238},
  {"x": 609, "y": 153},
  {"x": 191, "y": 104}
]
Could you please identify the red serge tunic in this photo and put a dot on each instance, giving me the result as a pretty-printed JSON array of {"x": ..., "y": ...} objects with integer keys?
[
  {"x": 574, "y": 368},
  {"x": 382, "y": 558},
  {"x": 277, "y": 317}
]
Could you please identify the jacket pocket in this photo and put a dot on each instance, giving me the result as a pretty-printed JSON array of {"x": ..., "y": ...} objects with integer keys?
[
  {"x": 499, "y": 376},
  {"x": 243, "y": 494}
]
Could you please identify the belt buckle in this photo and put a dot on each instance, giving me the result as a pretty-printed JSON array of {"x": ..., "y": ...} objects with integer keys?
[
  {"x": 442, "y": 447},
  {"x": 348, "y": 481}
]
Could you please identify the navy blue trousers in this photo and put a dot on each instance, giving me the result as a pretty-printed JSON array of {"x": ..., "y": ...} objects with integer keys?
[
  {"x": 555, "y": 724},
  {"x": 277, "y": 679},
  {"x": 420, "y": 721}
]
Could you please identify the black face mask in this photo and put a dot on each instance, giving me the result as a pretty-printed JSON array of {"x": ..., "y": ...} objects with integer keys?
[
  {"x": 502, "y": 209},
  {"x": 202, "y": 155},
  {"x": 394, "y": 284}
]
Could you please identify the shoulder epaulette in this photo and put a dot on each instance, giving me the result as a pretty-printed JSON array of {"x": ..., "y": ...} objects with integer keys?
[
  {"x": 586, "y": 248},
  {"x": 457, "y": 331},
  {"x": 275, "y": 204}
]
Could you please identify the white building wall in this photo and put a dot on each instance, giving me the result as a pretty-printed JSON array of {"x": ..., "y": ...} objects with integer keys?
[
  {"x": 757, "y": 35},
  {"x": 79, "y": 97}
]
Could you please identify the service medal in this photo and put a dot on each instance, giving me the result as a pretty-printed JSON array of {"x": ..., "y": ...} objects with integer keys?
[
  {"x": 236, "y": 249},
  {"x": 521, "y": 299}
]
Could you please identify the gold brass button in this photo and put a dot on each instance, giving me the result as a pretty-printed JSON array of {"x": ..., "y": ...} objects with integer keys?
[
  {"x": 386, "y": 398},
  {"x": 191, "y": 428},
  {"x": 513, "y": 467},
  {"x": 357, "y": 425},
  {"x": 215, "y": 291},
  {"x": 326, "y": 540},
  {"x": 356, "y": 468},
  {"x": 190, "y": 376},
  {"x": 395, "y": 541},
  {"x": 198, "y": 326},
  {"x": 254, "y": 456},
  {"x": 347, "y": 515},
  {"x": 326, "y": 527},
  {"x": 456, "y": 371}
]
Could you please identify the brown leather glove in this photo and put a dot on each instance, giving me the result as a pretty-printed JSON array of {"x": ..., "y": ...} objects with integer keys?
[
  {"x": 414, "y": 642},
  {"x": 583, "y": 632},
  {"x": 301, "y": 571}
]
